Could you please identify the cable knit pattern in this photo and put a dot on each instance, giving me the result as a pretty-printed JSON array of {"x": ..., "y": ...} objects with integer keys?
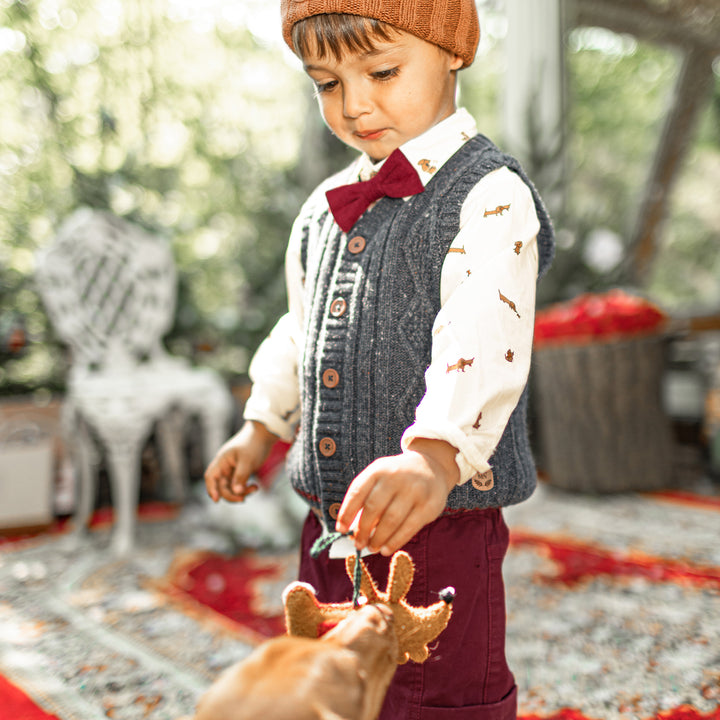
[{"x": 370, "y": 308}]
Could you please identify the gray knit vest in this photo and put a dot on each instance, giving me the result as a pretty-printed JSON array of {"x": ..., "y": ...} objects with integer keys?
[{"x": 371, "y": 299}]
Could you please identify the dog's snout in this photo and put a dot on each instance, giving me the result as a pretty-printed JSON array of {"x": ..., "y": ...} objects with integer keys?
[
  {"x": 385, "y": 612},
  {"x": 369, "y": 621},
  {"x": 379, "y": 617}
]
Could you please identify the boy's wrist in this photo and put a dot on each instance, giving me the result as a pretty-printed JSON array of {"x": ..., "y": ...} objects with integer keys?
[
  {"x": 257, "y": 433},
  {"x": 440, "y": 456}
]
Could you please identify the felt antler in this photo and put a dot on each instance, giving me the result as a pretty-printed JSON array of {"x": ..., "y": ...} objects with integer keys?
[
  {"x": 305, "y": 616},
  {"x": 415, "y": 627},
  {"x": 402, "y": 572}
]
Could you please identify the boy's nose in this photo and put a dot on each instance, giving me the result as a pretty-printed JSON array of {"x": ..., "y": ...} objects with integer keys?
[{"x": 355, "y": 102}]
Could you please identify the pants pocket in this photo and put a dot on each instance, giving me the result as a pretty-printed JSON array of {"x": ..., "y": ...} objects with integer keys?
[{"x": 505, "y": 709}]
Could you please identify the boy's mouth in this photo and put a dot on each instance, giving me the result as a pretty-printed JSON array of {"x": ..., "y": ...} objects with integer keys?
[{"x": 370, "y": 134}]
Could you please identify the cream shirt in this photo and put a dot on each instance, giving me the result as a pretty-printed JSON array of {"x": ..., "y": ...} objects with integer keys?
[{"x": 487, "y": 310}]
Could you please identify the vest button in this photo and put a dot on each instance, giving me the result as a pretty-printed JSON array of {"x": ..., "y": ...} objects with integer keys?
[
  {"x": 334, "y": 511},
  {"x": 338, "y": 307},
  {"x": 330, "y": 378},
  {"x": 327, "y": 447},
  {"x": 356, "y": 245}
]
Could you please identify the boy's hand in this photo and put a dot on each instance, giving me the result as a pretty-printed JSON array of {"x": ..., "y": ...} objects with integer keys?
[
  {"x": 241, "y": 456},
  {"x": 397, "y": 496}
]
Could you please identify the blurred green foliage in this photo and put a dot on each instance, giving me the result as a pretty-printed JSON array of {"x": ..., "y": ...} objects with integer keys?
[
  {"x": 188, "y": 130},
  {"x": 619, "y": 93},
  {"x": 192, "y": 120}
]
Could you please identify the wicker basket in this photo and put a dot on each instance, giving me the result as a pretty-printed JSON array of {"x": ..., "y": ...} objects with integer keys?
[{"x": 601, "y": 422}]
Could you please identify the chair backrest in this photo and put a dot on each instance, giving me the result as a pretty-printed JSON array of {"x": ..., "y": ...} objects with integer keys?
[{"x": 109, "y": 288}]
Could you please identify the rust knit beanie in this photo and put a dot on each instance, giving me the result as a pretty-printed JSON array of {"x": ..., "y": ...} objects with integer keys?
[{"x": 451, "y": 24}]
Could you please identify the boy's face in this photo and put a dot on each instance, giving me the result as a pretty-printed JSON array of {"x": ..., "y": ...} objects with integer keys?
[{"x": 376, "y": 101}]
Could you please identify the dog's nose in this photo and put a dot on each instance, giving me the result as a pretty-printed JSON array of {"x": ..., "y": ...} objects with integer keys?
[
  {"x": 378, "y": 616},
  {"x": 385, "y": 611}
]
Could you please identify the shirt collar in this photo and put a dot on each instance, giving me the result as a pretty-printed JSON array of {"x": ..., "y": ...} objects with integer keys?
[{"x": 431, "y": 150}]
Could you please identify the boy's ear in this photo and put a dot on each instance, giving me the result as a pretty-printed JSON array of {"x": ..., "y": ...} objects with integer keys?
[{"x": 456, "y": 62}]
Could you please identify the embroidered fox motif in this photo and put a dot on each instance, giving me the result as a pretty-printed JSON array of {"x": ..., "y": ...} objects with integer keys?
[
  {"x": 426, "y": 166},
  {"x": 460, "y": 365},
  {"x": 518, "y": 247},
  {"x": 499, "y": 210},
  {"x": 441, "y": 328},
  {"x": 509, "y": 355},
  {"x": 509, "y": 303}
]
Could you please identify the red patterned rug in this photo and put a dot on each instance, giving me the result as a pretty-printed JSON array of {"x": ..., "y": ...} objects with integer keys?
[
  {"x": 613, "y": 613},
  {"x": 16, "y": 705}
]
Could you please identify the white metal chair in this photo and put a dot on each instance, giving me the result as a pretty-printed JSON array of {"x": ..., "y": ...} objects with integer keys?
[{"x": 110, "y": 291}]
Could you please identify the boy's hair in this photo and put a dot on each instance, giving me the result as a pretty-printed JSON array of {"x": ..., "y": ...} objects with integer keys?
[
  {"x": 450, "y": 24},
  {"x": 334, "y": 34}
]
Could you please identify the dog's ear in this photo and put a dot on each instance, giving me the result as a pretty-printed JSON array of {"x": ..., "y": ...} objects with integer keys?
[{"x": 401, "y": 576}]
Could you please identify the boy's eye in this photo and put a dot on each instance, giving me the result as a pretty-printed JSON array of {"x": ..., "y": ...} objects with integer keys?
[
  {"x": 324, "y": 87},
  {"x": 386, "y": 74}
]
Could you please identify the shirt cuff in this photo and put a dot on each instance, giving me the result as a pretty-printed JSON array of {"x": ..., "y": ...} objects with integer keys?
[
  {"x": 258, "y": 411},
  {"x": 469, "y": 459}
]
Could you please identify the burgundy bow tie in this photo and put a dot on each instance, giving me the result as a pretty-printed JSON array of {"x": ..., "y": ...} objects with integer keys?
[{"x": 397, "y": 178}]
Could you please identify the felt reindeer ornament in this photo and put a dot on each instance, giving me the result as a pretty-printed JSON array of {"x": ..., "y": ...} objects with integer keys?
[{"x": 415, "y": 627}]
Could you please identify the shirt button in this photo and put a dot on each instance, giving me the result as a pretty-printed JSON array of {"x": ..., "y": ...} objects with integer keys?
[
  {"x": 330, "y": 378},
  {"x": 338, "y": 307},
  {"x": 334, "y": 511},
  {"x": 327, "y": 447},
  {"x": 356, "y": 245}
]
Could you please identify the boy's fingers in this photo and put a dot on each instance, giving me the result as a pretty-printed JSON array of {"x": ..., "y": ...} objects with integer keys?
[
  {"x": 353, "y": 502},
  {"x": 227, "y": 493},
  {"x": 392, "y": 520},
  {"x": 415, "y": 520},
  {"x": 239, "y": 480},
  {"x": 230, "y": 494},
  {"x": 400, "y": 537},
  {"x": 215, "y": 475},
  {"x": 211, "y": 485},
  {"x": 378, "y": 503},
  {"x": 249, "y": 490}
]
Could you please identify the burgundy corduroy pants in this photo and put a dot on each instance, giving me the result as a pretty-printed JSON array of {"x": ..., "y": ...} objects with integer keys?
[{"x": 466, "y": 676}]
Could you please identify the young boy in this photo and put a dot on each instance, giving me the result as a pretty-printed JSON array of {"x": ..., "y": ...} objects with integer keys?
[{"x": 400, "y": 369}]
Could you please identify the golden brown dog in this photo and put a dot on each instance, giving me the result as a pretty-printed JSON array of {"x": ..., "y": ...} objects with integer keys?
[{"x": 343, "y": 675}]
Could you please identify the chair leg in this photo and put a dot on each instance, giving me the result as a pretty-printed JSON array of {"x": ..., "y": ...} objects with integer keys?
[
  {"x": 77, "y": 437},
  {"x": 124, "y": 469},
  {"x": 170, "y": 435},
  {"x": 215, "y": 416},
  {"x": 214, "y": 427}
]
